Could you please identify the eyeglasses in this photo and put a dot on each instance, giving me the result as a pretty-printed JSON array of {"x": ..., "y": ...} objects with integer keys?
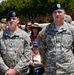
[{"x": 28, "y": 25}]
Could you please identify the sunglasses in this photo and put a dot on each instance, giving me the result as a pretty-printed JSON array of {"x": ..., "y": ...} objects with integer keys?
[{"x": 28, "y": 25}]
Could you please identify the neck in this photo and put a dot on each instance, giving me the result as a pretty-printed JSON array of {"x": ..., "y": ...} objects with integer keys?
[
  {"x": 58, "y": 23},
  {"x": 35, "y": 34},
  {"x": 29, "y": 30},
  {"x": 12, "y": 29},
  {"x": 37, "y": 53}
]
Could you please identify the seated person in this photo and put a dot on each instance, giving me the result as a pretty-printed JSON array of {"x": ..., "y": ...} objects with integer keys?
[{"x": 36, "y": 64}]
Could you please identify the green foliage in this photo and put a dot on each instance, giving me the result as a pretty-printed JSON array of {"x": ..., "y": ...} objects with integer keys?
[{"x": 32, "y": 8}]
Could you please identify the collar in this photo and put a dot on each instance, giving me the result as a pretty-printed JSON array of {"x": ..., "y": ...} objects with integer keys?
[
  {"x": 63, "y": 28},
  {"x": 6, "y": 33}
]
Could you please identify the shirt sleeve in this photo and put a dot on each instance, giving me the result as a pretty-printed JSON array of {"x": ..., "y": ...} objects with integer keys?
[
  {"x": 42, "y": 45},
  {"x": 3, "y": 66}
]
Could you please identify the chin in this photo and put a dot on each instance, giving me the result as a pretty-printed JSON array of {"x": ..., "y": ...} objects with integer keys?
[{"x": 58, "y": 19}]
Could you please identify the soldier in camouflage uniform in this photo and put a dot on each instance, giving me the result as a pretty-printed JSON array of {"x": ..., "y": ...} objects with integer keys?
[
  {"x": 55, "y": 44},
  {"x": 15, "y": 48}
]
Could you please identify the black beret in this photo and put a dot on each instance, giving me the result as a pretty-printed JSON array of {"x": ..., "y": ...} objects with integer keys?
[
  {"x": 11, "y": 14},
  {"x": 57, "y": 6}
]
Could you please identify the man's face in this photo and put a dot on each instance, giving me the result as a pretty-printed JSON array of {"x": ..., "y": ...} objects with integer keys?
[
  {"x": 28, "y": 25},
  {"x": 58, "y": 15},
  {"x": 35, "y": 49},
  {"x": 12, "y": 22}
]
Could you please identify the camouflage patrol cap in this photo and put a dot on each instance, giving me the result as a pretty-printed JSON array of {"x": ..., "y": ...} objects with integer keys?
[
  {"x": 11, "y": 14},
  {"x": 67, "y": 18},
  {"x": 57, "y": 6}
]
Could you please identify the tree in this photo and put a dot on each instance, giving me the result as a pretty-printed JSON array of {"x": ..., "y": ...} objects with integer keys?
[{"x": 32, "y": 8}]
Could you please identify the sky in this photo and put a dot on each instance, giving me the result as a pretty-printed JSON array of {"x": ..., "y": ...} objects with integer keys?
[{"x": 1, "y": 0}]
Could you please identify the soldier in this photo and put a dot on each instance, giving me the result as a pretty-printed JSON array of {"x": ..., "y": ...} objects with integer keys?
[
  {"x": 55, "y": 44},
  {"x": 15, "y": 48},
  {"x": 67, "y": 18}
]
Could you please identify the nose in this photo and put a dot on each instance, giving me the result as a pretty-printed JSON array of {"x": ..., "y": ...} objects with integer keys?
[
  {"x": 11, "y": 19},
  {"x": 57, "y": 13}
]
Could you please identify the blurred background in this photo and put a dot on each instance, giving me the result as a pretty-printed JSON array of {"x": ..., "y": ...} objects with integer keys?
[{"x": 34, "y": 10}]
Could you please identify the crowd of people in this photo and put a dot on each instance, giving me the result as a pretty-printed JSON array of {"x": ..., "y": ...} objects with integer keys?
[{"x": 36, "y": 50}]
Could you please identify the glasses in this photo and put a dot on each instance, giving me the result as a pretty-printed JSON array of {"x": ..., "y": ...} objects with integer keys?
[{"x": 28, "y": 25}]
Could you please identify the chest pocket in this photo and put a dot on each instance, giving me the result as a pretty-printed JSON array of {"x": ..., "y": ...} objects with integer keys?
[
  {"x": 50, "y": 38},
  {"x": 67, "y": 39},
  {"x": 13, "y": 46}
]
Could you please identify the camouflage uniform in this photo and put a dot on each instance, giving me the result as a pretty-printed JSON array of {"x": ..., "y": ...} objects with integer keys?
[
  {"x": 15, "y": 51},
  {"x": 55, "y": 48}
]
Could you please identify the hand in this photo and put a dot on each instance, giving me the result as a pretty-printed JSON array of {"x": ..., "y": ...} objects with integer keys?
[
  {"x": 32, "y": 63},
  {"x": 11, "y": 72}
]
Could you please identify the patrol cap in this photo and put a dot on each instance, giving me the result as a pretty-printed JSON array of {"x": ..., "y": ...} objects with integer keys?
[
  {"x": 57, "y": 6},
  {"x": 11, "y": 14},
  {"x": 67, "y": 18}
]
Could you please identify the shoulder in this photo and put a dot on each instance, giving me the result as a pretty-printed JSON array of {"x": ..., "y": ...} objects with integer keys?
[
  {"x": 26, "y": 36},
  {"x": 21, "y": 32},
  {"x": 70, "y": 27},
  {"x": 47, "y": 28},
  {"x": 43, "y": 31},
  {"x": 1, "y": 34}
]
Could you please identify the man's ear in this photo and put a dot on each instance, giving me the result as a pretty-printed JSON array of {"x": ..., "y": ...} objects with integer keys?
[
  {"x": 18, "y": 20},
  {"x": 65, "y": 12}
]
